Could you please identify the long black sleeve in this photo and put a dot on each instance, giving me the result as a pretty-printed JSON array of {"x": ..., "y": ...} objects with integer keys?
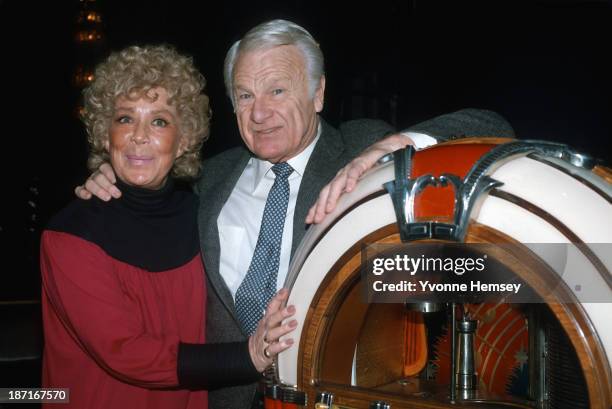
[{"x": 212, "y": 366}]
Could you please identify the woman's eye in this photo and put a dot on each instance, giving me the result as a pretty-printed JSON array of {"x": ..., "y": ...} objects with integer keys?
[
  {"x": 278, "y": 91},
  {"x": 160, "y": 122},
  {"x": 244, "y": 96},
  {"x": 123, "y": 119}
]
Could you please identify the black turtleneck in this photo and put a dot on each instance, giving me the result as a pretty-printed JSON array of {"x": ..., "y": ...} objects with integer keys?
[
  {"x": 157, "y": 230},
  {"x": 152, "y": 229}
]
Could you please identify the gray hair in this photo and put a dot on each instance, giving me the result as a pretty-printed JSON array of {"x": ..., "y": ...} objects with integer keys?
[{"x": 271, "y": 34}]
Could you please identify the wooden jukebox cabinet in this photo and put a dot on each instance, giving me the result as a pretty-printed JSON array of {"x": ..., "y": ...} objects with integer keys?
[{"x": 538, "y": 211}]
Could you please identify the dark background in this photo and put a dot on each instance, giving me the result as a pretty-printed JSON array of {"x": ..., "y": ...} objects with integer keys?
[{"x": 544, "y": 65}]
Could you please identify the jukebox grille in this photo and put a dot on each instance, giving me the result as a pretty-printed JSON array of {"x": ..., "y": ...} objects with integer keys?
[{"x": 565, "y": 382}]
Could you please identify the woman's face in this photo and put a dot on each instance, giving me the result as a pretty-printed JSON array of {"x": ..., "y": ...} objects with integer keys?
[{"x": 144, "y": 139}]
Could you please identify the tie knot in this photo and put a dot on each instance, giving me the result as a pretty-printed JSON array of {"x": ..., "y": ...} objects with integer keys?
[{"x": 282, "y": 170}]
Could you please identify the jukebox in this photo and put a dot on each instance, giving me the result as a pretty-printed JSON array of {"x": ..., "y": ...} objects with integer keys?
[{"x": 553, "y": 350}]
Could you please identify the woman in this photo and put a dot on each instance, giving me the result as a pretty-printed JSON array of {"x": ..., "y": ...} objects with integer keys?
[{"x": 123, "y": 282}]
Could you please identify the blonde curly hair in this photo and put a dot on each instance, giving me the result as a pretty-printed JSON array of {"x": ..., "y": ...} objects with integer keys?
[{"x": 131, "y": 73}]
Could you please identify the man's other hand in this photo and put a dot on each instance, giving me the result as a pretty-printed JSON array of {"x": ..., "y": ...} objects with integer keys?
[{"x": 101, "y": 183}]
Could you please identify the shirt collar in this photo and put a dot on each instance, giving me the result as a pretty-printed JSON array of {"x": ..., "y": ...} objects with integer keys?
[{"x": 298, "y": 163}]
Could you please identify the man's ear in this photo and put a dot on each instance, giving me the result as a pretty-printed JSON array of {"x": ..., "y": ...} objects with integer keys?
[{"x": 320, "y": 94}]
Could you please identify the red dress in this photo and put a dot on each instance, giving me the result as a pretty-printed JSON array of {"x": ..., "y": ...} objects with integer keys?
[{"x": 112, "y": 329}]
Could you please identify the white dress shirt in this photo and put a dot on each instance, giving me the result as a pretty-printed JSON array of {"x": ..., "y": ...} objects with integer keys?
[
  {"x": 240, "y": 218},
  {"x": 420, "y": 140}
]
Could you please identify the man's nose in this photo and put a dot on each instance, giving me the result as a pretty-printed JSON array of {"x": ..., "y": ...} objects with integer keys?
[{"x": 261, "y": 110}]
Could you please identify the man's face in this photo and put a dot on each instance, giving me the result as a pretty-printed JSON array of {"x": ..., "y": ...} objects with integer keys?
[{"x": 276, "y": 115}]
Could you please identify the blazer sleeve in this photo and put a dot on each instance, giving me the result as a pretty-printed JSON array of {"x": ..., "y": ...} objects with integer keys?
[
  {"x": 465, "y": 123},
  {"x": 359, "y": 134}
]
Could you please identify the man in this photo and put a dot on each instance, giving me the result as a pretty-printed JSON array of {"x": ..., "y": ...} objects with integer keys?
[{"x": 255, "y": 199}]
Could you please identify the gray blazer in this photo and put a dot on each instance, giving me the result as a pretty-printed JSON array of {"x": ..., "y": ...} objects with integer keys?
[{"x": 335, "y": 148}]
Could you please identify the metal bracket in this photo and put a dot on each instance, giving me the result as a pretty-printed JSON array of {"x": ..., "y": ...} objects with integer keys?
[{"x": 468, "y": 192}]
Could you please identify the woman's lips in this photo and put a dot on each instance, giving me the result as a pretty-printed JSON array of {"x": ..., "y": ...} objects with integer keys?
[{"x": 138, "y": 160}]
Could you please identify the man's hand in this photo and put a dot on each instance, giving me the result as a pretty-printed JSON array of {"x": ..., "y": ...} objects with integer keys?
[
  {"x": 264, "y": 344},
  {"x": 346, "y": 179},
  {"x": 101, "y": 183}
]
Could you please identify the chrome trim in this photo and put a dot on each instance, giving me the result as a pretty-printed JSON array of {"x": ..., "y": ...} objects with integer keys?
[
  {"x": 468, "y": 192},
  {"x": 416, "y": 186},
  {"x": 398, "y": 189},
  {"x": 579, "y": 160}
]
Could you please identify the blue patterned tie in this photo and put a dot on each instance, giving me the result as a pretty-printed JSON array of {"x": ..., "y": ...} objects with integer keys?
[{"x": 259, "y": 284}]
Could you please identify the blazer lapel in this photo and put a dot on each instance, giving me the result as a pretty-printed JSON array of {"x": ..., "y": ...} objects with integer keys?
[
  {"x": 321, "y": 168},
  {"x": 210, "y": 207}
]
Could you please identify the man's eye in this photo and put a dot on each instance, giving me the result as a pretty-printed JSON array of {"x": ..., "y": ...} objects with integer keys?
[
  {"x": 278, "y": 91},
  {"x": 123, "y": 119},
  {"x": 244, "y": 96},
  {"x": 160, "y": 122}
]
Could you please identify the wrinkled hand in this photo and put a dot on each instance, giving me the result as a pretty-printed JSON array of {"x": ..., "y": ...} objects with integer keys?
[
  {"x": 347, "y": 177},
  {"x": 101, "y": 183},
  {"x": 264, "y": 344}
]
